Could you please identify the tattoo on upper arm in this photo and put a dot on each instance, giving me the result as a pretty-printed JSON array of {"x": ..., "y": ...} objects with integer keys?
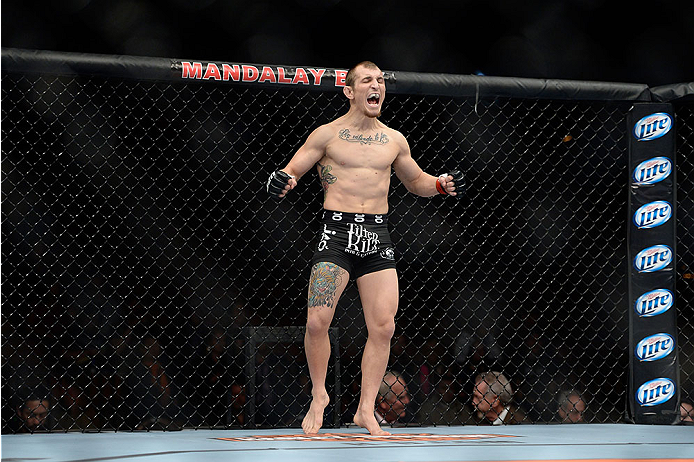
[
  {"x": 325, "y": 280},
  {"x": 326, "y": 178}
]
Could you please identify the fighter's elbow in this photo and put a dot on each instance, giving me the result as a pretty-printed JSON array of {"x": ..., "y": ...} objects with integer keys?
[{"x": 410, "y": 187}]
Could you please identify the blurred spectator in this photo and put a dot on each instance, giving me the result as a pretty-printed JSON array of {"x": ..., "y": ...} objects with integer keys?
[
  {"x": 238, "y": 404},
  {"x": 686, "y": 413},
  {"x": 210, "y": 380},
  {"x": 476, "y": 345},
  {"x": 296, "y": 399},
  {"x": 406, "y": 357},
  {"x": 149, "y": 392},
  {"x": 443, "y": 406},
  {"x": 31, "y": 411},
  {"x": 429, "y": 365},
  {"x": 538, "y": 362},
  {"x": 492, "y": 399},
  {"x": 473, "y": 349},
  {"x": 571, "y": 407},
  {"x": 74, "y": 410},
  {"x": 392, "y": 400},
  {"x": 401, "y": 356}
]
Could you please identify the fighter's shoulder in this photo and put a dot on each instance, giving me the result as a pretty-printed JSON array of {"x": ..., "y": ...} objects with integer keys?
[
  {"x": 397, "y": 137},
  {"x": 393, "y": 133},
  {"x": 322, "y": 134}
]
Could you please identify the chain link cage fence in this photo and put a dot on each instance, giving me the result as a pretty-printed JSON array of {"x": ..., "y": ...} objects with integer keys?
[{"x": 149, "y": 283}]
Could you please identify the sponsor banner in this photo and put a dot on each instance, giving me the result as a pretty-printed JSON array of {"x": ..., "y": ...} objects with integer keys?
[
  {"x": 258, "y": 74},
  {"x": 655, "y": 347},
  {"x": 654, "y": 302},
  {"x": 651, "y": 256},
  {"x": 654, "y": 258},
  {"x": 652, "y": 126},
  {"x": 652, "y": 171},
  {"x": 656, "y": 392},
  {"x": 653, "y": 214},
  {"x": 354, "y": 437}
]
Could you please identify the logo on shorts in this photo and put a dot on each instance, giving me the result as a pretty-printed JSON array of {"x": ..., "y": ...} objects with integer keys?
[
  {"x": 361, "y": 241},
  {"x": 652, "y": 126},
  {"x": 388, "y": 254},
  {"x": 325, "y": 237}
]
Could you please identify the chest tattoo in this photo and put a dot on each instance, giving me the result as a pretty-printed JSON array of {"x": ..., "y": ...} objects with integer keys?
[{"x": 378, "y": 138}]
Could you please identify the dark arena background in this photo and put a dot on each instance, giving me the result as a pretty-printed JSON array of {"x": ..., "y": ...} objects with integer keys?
[{"x": 149, "y": 283}]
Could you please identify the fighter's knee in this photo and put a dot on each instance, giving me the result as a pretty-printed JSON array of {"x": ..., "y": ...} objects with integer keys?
[
  {"x": 384, "y": 330},
  {"x": 317, "y": 326}
]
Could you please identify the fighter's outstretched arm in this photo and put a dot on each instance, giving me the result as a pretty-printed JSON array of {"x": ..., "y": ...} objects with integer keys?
[
  {"x": 284, "y": 180},
  {"x": 419, "y": 182}
]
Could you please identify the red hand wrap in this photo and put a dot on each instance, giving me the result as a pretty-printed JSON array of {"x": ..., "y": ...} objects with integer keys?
[{"x": 439, "y": 188}]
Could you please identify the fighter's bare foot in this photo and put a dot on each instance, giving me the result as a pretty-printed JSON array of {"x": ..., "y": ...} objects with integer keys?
[
  {"x": 366, "y": 419},
  {"x": 313, "y": 419}
]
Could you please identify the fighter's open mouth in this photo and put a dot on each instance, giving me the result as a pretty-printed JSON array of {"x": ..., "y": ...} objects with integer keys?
[{"x": 373, "y": 98}]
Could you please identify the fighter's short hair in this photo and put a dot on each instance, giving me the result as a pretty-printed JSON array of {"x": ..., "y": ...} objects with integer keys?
[{"x": 352, "y": 73}]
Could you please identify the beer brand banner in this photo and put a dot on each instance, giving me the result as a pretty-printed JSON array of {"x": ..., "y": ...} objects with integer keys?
[{"x": 654, "y": 371}]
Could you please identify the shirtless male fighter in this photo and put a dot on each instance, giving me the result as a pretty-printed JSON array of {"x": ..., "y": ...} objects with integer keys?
[{"x": 354, "y": 155}]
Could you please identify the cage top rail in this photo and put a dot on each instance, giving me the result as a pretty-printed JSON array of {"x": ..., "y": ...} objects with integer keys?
[{"x": 326, "y": 79}]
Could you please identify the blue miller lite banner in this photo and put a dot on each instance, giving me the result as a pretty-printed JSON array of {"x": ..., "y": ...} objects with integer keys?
[{"x": 654, "y": 368}]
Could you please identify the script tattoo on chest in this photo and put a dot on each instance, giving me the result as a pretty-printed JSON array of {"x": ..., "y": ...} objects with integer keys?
[{"x": 378, "y": 138}]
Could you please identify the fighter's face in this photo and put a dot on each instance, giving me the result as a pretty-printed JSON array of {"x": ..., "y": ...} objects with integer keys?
[{"x": 368, "y": 91}]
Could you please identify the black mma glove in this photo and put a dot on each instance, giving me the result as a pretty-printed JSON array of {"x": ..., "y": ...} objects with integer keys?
[
  {"x": 276, "y": 183},
  {"x": 458, "y": 182}
]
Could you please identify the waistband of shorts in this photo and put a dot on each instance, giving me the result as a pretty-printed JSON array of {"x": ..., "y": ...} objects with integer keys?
[{"x": 348, "y": 217}]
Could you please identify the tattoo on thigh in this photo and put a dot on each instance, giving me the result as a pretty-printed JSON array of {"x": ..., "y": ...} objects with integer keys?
[{"x": 322, "y": 288}]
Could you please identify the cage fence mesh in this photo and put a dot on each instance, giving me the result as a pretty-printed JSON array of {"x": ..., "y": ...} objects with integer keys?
[{"x": 141, "y": 257}]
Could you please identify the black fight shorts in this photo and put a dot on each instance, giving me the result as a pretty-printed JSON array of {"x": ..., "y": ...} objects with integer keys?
[{"x": 357, "y": 242}]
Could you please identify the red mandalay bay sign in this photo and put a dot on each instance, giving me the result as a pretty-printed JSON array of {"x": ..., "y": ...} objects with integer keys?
[{"x": 248, "y": 73}]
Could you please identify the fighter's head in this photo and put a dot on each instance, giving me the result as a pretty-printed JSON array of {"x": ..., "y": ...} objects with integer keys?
[{"x": 365, "y": 88}]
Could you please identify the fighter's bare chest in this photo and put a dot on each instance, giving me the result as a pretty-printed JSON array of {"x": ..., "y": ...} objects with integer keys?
[{"x": 373, "y": 149}]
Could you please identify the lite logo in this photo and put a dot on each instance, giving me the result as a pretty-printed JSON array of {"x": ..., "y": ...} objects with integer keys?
[
  {"x": 652, "y": 171},
  {"x": 653, "y": 259},
  {"x": 652, "y": 126},
  {"x": 653, "y": 303},
  {"x": 655, "y": 347},
  {"x": 654, "y": 392},
  {"x": 652, "y": 214}
]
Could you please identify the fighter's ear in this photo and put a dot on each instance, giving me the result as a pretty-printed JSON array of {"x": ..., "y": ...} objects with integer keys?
[{"x": 348, "y": 91}]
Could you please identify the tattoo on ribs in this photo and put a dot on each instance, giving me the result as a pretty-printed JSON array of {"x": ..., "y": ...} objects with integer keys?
[
  {"x": 322, "y": 288},
  {"x": 326, "y": 178}
]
